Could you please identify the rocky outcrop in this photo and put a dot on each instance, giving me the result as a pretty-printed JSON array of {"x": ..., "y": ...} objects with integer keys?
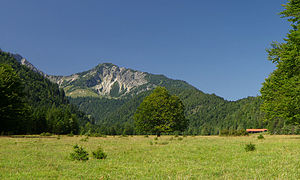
[
  {"x": 105, "y": 80},
  {"x": 23, "y": 61}
]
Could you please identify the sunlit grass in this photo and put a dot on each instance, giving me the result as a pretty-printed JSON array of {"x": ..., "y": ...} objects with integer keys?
[{"x": 139, "y": 157}]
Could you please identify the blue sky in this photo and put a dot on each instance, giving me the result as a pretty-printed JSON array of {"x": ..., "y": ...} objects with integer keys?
[{"x": 217, "y": 46}]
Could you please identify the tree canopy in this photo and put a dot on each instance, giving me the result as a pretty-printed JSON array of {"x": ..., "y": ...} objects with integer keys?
[
  {"x": 160, "y": 112},
  {"x": 12, "y": 105},
  {"x": 281, "y": 90}
]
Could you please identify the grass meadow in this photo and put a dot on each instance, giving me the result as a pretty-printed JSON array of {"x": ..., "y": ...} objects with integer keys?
[{"x": 140, "y": 157}]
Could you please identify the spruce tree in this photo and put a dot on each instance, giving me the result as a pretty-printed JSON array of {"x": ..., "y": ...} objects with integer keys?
[{"x": 281, "y": 90}]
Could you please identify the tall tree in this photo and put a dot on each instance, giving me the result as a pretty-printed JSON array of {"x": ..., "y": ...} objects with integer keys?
[
  {"x": 281, "y": 90},
  {"x": 13, "y": 109},
  {"x": 160, "y": 112}
]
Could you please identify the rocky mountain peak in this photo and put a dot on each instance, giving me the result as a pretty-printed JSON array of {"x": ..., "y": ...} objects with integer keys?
[{"x": 105, "y": 79}]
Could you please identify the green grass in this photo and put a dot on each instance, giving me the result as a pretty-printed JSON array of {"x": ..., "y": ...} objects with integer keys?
[{"x": 210, "y": 157}]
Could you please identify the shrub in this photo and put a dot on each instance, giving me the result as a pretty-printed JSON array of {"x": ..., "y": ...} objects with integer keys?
[
  {"x": 79, "y": 154},
  {"x": 97, "y": 135},
  {"x": 156, "y": 138},
  {"x": 150, "y": 142},
  {"x": 176, "y": 133},
  {"x": 250, "y": 147},
  {"x": 260, "y": 137},
  {"x": 85, "y": 139},
  {"x": 146, "y": 136},
  {"x": 180, "y": 138},
  {"x": 99, "y": 154},
  {"x": 46, "y": 134},
  {"x": 171, "y": 139},
  {"x": 241, "y": 132},
  {"x": 164, "y": 143},
  {"x": 58, "y": 137},
  {"x": 70, "y": 134}
]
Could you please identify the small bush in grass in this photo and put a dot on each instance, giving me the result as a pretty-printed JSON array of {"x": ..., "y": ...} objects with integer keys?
[
  {"x": 176, "y": 135},
  {"x": 241, "y": 132},
  {"x": 58, "y": 137},
  {"x": 260, "y": 137},
  {"x": 156, "y": 138},
  {"x": 171, "y": 139},
  {"x": 99, "y": 154},
  {"x": 85, "y": 139},
  {"x": 180, "y": 139},
  {"x": 150, "y": 142},
  {"x": 46, "y": 134},
  {"x": 70, "y": 134},
  {"x": 96, "y": 135},
  {"x": 164, "y": 143},
  {"x": 250, "y": 147},
  {"x": 79, "y": 154},
  {"x": 146, "y": 136}
]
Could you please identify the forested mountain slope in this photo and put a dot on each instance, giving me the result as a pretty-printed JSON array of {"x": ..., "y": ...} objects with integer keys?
[
  {"x": 48, "y": 109},
  {"x": 113, "y": 106}
]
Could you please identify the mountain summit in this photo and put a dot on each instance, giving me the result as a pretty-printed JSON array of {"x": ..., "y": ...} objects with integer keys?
[{"x": 105, "y": 79}]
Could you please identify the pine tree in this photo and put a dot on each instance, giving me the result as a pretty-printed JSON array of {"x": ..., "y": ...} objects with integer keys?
[
  {"x": 13, "y": 109},
  {"x": 281, "y": 90}
]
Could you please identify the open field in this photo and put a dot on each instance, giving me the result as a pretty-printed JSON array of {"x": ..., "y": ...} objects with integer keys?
[{"x": 139, "y": 157}]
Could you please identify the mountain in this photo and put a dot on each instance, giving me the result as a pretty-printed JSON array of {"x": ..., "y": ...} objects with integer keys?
[
  {"x": 105, "y": 80},
  {"x": 111, "y": 94},
  {"x": 107, "y": 97}
]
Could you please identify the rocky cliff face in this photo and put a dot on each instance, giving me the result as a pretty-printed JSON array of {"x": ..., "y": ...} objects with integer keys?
[
  {"x": 23, "y": 61},
  {"x": 104, "y": 80}
]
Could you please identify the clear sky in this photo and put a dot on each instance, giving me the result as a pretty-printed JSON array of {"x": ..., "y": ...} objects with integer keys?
[{"x": 217, "y": 46}]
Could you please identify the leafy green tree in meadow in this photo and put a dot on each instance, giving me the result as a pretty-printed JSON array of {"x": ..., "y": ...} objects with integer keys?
[
  {"x": 281, "y": 90},
  {"x": 160, "y": 112},
  {"x": 13, "y": 109}
]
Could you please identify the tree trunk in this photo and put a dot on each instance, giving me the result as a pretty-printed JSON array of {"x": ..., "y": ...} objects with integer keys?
[{"x": 158, "y": 134}]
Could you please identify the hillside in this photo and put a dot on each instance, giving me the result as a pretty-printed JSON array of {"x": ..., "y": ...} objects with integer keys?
[
  {"x": 111, "y": 94},
  {"x": 49, "y": 109}
]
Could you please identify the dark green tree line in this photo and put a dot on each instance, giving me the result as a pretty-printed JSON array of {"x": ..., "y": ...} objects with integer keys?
[
  {"x": 14, "y": 112},
  {"x": 36, "y": 104}
]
